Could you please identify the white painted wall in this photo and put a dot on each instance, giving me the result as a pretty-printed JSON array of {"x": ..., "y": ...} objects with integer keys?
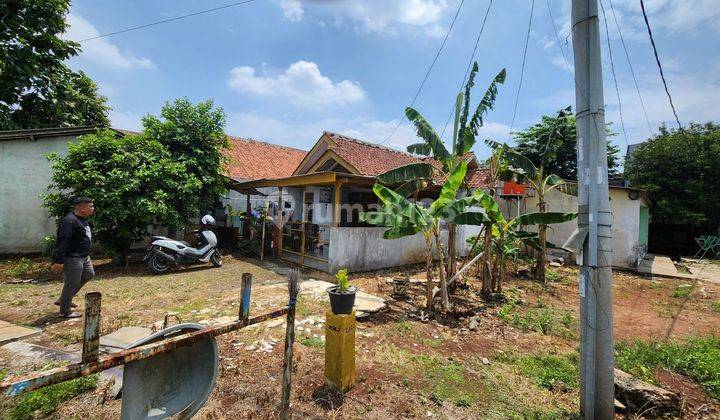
[
  {"x": 625, "y": 229},
  {"x": 24, "y": 175}
]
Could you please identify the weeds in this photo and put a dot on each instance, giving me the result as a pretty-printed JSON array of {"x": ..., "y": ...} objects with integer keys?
[
  {"x": 442, "y": 379},
  {"x": 715, "y": 306},
  {"x": 698, "y": 358},
  {"x": 550, "y": 371},
  {"x": 682, "y": 291},
  {"x": 312, "y": 342},
  {"x": 44, "y": 401},
  {"x": 22, "y": 269},
  {"x": 541, "y": 318}
]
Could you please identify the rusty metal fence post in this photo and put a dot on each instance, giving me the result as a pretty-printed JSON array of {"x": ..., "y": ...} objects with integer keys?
[
  {"x": 245, "y": 291},
  {"x": 91, "y": 328},
  {"x": 293, "y": 287}
]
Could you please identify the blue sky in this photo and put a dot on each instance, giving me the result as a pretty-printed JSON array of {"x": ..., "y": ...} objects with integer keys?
[{"x": 284, "y": 70}]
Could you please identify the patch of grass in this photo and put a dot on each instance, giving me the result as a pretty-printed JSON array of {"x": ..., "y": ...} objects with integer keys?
[
  {"x": 655, "y": 284},
  {"x": 312, "y": 342},
  {"x": 442, "y": 379},
  {"x": 44, "y": 401},
  {"x": 550, "y": 371},
  {"x": 715, "y": 306},
  {"x": 698, "y": 358},
  {"x": 543, "y": 319},
  {"x": 682, "y": 291},
  {"x": 22, "y": 269},
  {"x": 553, "y": 276},
  {"x": 402, "y": 328}
]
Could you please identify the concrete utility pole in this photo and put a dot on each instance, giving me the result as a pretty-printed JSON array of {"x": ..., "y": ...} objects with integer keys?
[{"x": 596, "y": 326}]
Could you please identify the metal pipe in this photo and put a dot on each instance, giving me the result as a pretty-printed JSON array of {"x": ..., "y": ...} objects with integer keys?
[{"x": 18, "y": 385}]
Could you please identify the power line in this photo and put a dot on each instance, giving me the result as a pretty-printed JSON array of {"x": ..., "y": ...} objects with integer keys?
[
  {"x": 522, "y": 68},
  {"x": 134, "y": 28},
  {"x": 657, "y": 60},
  {"x": 472, "y": 59},
  {"x": 632, "y": 71},
  {"x": 427, "y": 73},
  {"x": 612, "y": 67}
]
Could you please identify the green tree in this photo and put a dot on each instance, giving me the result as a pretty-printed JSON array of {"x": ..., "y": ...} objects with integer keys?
[
  {"x": 194, "y": 135},
  {"x": 552, "y": 144},
  {"x": 133, "y": 180},
  {"x": 37, "y": 89},
  {"x": 681, "y": 171},
  {"x": 465, "y": 129}
]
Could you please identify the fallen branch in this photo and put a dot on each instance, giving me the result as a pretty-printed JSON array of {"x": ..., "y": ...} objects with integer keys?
[{"x": 457, "y": 275}]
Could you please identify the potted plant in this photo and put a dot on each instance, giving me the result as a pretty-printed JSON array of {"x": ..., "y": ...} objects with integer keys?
[{"x": 342, "y": 296}]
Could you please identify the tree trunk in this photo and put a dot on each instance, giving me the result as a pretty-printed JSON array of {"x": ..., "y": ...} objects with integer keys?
[
  {"x": 452, "y": 251},
  {"x": 542, "y": 237},
  {"x": 441, "y": 271},
  {"x": 429, "y": 285},
  {"x": 487, "y": 275}
]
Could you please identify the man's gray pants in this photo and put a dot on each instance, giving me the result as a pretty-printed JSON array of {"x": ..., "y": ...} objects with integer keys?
[{"x": 76, "y": 272}]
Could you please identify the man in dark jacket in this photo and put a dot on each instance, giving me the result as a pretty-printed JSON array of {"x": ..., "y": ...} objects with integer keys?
[{"x": 71, "y": 256}]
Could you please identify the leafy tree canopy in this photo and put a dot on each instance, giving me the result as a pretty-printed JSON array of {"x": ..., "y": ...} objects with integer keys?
[
  {"x": 559, "y": 135},
  {"x": 133, "y": 181},
  {"x": 37, "y": 89},
  {"x": 194, "y": 136},
  {"x": 681, "y": 170}
]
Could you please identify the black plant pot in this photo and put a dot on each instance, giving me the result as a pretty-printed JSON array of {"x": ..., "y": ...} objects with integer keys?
[{"x": 341, "y": 302}]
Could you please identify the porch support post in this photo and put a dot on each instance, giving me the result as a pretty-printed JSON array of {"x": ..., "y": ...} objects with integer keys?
[
  {"x": 246, "y": 223},
  {"x": 336, "y": 203},
  {"x": 280, "y": 223}
]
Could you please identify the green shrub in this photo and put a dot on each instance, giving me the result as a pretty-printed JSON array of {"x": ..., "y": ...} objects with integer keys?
[
  {"x": 682, "y": 291},
  {"x": 44, "y": 401},
  {"x": 698, "y": 358}
]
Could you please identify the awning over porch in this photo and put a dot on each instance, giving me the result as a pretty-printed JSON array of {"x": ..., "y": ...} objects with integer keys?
[{"x": 317, "y": 178}]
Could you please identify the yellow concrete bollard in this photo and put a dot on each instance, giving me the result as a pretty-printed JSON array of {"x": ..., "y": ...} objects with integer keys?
[{"x": 340, "y": 350}]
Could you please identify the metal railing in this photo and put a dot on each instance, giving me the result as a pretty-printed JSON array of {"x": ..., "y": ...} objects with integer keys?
[{"x": 92, "y": 362}]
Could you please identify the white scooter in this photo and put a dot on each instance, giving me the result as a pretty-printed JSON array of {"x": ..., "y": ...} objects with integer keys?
[{"x": 164, "y": 254}]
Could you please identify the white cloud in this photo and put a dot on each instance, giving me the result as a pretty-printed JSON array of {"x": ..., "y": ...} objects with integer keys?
[
  {"x": 292, "y": 10},
  {"x": 379, "y": 15},
  {"x": 302, "y": 84},
  {"x": 304, "y": 134},
  {"x": 125, "y": 120},
  {"x": 100, "y": 51}
]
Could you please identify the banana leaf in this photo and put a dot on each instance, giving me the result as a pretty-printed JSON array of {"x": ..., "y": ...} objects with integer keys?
[
  {"x": 487, "y": 103},
  {"x": 402, "y": 174},
  {"x": 472, "y": 218},
  {"x": 449, "y": 189},
  {"x": 427, "y": 133}
]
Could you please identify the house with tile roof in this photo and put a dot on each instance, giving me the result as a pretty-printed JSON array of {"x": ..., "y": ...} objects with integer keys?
[{"x": 323, "y": 197}]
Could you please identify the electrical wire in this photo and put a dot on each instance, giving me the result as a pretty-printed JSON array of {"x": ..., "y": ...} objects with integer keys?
[
  {"x": 472, "y": 59},
  {"x": 612, "y": 67},
  {"x": 657, "y": 60},
  {"x": 134, "y": 28},
  {"x": 427, "y": 73},
  {"x": 632, "y": 70},
  {"x": 522, "y": 68}
]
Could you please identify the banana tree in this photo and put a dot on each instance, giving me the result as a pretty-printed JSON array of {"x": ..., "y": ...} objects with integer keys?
[
  {"x": 406, "y": 217},
  {"x": 521, "y": 169},
  {"x": 505, "y": 234},
  {"x": 465, "y": 129}
]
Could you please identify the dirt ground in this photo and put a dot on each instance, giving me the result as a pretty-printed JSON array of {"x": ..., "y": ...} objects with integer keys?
[{"x": 409, "y": 365}]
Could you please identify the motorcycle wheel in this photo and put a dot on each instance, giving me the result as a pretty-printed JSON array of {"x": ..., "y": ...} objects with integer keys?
[
  {"x": 158, "y": 265},
  {"x": 216, "y": 259}
]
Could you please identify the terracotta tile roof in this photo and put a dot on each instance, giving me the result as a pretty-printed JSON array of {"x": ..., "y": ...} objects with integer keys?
[
  {"x": 478, "y": 178},
  {"x": 368, "y": 158},
  {"x": 252, "y": 159},
  {"x": 372, "y": 159}
]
